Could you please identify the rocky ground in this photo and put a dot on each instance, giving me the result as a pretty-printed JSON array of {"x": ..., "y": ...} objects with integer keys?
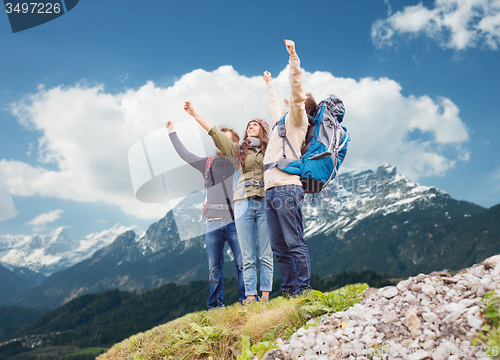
[{"x": 432, "y": 316}]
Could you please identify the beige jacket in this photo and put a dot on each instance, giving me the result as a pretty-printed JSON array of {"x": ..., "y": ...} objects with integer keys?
[{"x": 295, "y": 123}]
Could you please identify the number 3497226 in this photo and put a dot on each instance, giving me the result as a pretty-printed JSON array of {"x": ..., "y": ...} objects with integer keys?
[{"x": 33, "y": 8}]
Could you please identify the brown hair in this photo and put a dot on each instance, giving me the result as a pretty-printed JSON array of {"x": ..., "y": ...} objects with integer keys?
[
  {"x": 264, "y": 140},
  {"x": 310, "y": 105},
  {"x": 234, "y": 135}
]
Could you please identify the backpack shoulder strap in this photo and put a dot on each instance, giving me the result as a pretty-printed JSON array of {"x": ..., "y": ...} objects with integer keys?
[
  {"x": 282, "y": 134},
  {"x": 208, "y": 170},
  {"x": 281, "y": 121}
]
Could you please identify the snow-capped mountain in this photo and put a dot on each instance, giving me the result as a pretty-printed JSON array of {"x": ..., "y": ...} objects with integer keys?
[
  {"x": 363, "y": 193},
  {"x": 56, "y": 250}
]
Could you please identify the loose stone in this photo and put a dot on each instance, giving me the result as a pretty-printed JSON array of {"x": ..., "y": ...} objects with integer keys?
[{"x": 432, "y": 315}]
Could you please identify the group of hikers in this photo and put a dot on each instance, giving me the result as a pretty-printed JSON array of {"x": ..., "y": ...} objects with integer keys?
[{"x": 260, "y": 214}]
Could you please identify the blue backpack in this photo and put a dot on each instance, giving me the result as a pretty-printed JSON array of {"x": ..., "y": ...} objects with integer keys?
[{"x": 324, "y": 149}]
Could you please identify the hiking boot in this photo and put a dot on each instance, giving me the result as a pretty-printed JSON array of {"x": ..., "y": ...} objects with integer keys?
[
  {"x": 287, "y": 294},
  {"x": 263, "y": 299},
  {"x": 249, "y": 301},
  {"x": 304, "y": 290}
]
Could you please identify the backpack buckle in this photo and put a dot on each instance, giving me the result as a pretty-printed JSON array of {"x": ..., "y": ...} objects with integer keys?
[{"x": 281, "y": 130}]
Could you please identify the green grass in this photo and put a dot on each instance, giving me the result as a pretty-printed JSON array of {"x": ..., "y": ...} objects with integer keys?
[
  {"x": 234, "y": 331},
  {"x": 51, "y": 351},
  {"x": 489, "y": 338},
  {"x": 91, "y": 351}
]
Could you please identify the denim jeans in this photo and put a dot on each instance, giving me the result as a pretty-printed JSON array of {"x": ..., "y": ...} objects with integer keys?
[
  {"x": 286, "y": 232},
  {"x": 217, "y": 232},
  {"x": 251, "y": 224}
]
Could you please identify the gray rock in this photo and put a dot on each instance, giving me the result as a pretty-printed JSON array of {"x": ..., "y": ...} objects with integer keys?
[
  {"x": 434, "y": 313},
  {"x": 417, "y": 287},
  {"x": 388, "y": 292},
  {"x": 477, "y": 271},
  {"x": 429, "y": 290},
  {"x": 474, "y": 321},
  {"x": 430, "y": 317},
  {"x": 369, "y": 292}
]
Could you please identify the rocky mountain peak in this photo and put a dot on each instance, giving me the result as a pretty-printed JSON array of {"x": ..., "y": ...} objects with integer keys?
[
  {"x": 362, "y": 193},
  {"x": 387, "y": 169},
  {"x": 59, "y": 241},
  {"x": 122, "y": 249}
]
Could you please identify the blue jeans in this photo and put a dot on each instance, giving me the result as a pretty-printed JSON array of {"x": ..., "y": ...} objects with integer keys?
[
  {"x": 217, "y": 232},
  {"x": 286, "y": 232},
  {"x": 251, "y": 224}
]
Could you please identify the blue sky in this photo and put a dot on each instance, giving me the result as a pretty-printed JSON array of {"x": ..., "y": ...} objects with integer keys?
[{"x": 419, "y": 79}]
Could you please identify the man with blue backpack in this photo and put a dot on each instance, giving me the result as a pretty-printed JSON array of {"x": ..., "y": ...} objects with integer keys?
[
  {"x": 313, "y": 132},
  {"x": 284, "y": 192}
]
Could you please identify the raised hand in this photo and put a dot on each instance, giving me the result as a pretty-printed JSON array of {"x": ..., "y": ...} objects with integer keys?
[
  {"x": 290, "y": 47},
  {"x": 170, "y": 127},
  {"x": 267, "y": 76},
  {"x": 189, "y": 108}
]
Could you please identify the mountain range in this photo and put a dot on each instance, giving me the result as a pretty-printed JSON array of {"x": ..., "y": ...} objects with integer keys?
[
  {"x": 55, "y": 251},
  {"x": 366, "y": 220}
]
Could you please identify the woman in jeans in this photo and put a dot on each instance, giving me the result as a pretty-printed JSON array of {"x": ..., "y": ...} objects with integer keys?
[{"x": 249, "y": 201}]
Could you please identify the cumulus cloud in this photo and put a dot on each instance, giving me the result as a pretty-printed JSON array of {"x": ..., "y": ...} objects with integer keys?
[
  {"x": 7, "y": 207},
  {"x": 87, "y": 131},
  {"x": 46, "y": 218},
  {"x": 453, "y": 24}
]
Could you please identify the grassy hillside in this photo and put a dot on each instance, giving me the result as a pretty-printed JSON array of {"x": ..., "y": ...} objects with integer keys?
[
  {"x": 235, "y": 330},
  {"x": 108, "y": 317}
]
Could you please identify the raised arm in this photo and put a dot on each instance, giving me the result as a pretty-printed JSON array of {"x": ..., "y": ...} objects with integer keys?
[
  {"x": 227, "y": 147},
  {"x": 273, "y": 104},
  {"x": 190, "y": 110},
  {"x": 223, "y": 143},
  {"x": 298, "y": 97},
  {"x": 195, "y": 161}
]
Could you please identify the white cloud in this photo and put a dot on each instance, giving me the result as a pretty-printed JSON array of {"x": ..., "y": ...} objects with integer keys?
[
  {"x": 7, "y": 207},
  {"x": 453, "y": 24},
  {"x": 43, "y": 219},
  {"x": 389, "y": 7},
  {"x": 87, "y": 132}
]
